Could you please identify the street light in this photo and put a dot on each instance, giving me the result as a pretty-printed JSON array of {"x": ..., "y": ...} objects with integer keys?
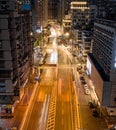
[
  {"x": 67, "y": 34},
  {"x": 31, "y": 33}
]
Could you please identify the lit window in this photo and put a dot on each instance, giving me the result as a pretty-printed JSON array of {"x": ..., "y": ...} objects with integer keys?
[
  {"x": 115, "y": 58},
  {"x": 115, "y": 65}
]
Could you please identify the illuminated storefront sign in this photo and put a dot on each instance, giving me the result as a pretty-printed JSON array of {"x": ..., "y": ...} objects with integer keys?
[
  {"x": 89, "y": 66},
  {"x": 26, "y": 5}
]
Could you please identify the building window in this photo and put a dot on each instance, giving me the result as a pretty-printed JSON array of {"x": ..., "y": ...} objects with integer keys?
[
  {"x": 1, "y": 54},
  {"x": 115, "y": 58},
  {"x": 0, "y": 44},
  {"x": 115, "y": 99},
  {"x": 115, "y": 64},
  {"x": 1, "y": 64},
  {"x": 2, "y": 84}
]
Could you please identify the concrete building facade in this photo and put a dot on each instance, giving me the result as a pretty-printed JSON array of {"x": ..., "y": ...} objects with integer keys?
[
  {"x": 53, "y": 9},
  {"x": 86, "y": 42},
  {"x": 16, "y": 50},
  {"x": 41, "y": 14},
  {"x": 83, "y": 15},
  {"x": 101, "y": 62}
]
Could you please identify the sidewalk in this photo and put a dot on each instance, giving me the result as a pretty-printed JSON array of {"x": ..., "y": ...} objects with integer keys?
[
  {"x": 19, "y": 112},
  {"x": 109, "y": 120}
]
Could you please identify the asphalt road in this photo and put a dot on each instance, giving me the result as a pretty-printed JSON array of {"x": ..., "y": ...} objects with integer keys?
[
  {"x": 64, "y": 112},
  {"x": 53, "y": 102},
  {"x": 38, "y": 118},
  {"x": 59, "y": 103}
]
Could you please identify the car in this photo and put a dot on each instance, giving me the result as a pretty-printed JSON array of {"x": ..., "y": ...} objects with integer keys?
[
  {"x": 95, "y": 113},
  {"x": 79, "y": 66},
  {"x": 83, "y": 81},
  {"x": 87, "y": 91},
  {"x": 91, "y": 104},
  {"x": 80, "y": 71},
  {"x": 85, "y": 86},
  {"x": 82, "y": 78}
]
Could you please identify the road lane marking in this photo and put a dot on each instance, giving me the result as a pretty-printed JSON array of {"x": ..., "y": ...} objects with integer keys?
[
  {"x": 77, "y": 109},
  {"x": 52, "y": 111},
  {"x": 44, "y": 112}
]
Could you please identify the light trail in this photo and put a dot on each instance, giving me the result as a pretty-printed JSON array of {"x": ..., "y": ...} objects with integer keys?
[
  {"x": 44, "y": 112},
  {"x": 78, "y": 115},
  {"x": 26, "y": 118},
  {"x": 53, "y": 57}
]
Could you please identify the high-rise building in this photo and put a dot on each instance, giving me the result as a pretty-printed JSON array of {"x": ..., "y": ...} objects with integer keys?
[
  {"x": 63, "y": 9},
  {"x": 67, "y": 7},
  {"x": 83, "y": 14},
  {"x": 66, "y": 23},
  {"x": 101, "y": 63},
  {"x": 53, "y": 9},
  {"x": 105, "y": 8},
  {"x": 41, "y": 14},
  {"x": 16, "y": 50}
]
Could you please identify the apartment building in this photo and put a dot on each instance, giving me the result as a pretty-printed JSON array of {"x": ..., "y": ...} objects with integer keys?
[
  {"x": 67, "y": 23},
  {"x": 101, "y": 63},
  {"x": 64, "y": 8},
  {"x": 80, "y": 14},
  {"x": 41, "y": 14},
  {"x": 83, "y": 15},
  {"x": 53, "y": 9},
  {"x": 86, "y": 42},
  {"x": 16, "y": 51}
]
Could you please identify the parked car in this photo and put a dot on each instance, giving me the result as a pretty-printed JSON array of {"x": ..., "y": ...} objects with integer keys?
[
  {"x": 82, "y": 78},
  {"x": 87, "y": 91},
  {"x": 95, "y": 112},
  {"x": 83, "y": 81},
  {"x": 85, "y": 86},
  {"x": 79, "y": 66},
  {"x": 80, "y": 71},
  {"x": 91, "y": 104}
]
